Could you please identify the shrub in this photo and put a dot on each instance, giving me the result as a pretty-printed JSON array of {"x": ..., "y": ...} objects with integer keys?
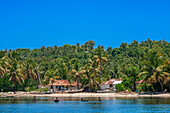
[
  {"x": 120, "y": 87},
  {"x": 45, "y": 89}
]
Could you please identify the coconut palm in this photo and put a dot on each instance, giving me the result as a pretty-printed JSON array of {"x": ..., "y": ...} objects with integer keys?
[
  {"x": 15, "y": 73},
  {"x": 37, "y": 68},
  {"x": 50, "y": 77},
  {"x": 87, "y": 74},
  {"x": 100, "y": 58},
  {"x": 133, "y": 72},
  {"x": 76, "y": 70},
  {"x": 15, "y": 68},
  {"x": 96, "y": 70},
  {"x": 29, "y": 70},
  {"x": 153, "y": 69},
  {"x": 62, "y": 71},
  {"x": 3, "y": 66}
]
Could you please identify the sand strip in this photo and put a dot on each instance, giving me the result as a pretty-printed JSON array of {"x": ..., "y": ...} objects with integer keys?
[{"x": 167, "y": 95}]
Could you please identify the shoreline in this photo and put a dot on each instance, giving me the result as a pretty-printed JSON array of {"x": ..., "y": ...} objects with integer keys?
[{"x": 26, "y": 94}]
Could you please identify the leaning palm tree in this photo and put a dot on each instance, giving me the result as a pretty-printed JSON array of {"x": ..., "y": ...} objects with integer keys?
[
  {"x": 37, "y": 68},
  {"x": 153, "y": 71}
]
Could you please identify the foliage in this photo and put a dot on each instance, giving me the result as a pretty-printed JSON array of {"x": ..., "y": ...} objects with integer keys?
[
  {"x": 120, "y": 87},
  {"x": 25, "y": 69}
]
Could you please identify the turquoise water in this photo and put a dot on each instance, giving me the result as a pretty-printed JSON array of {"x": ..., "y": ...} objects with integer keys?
[{"x": 74, "y": 105}]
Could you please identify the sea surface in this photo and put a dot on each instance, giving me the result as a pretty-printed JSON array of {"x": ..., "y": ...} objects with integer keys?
[{"x": 74, "y": 105}]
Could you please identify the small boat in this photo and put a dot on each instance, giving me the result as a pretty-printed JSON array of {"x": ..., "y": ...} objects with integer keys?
[
  {"x": 9, "y": 96},
  {"x": 76, "y": 91},
  {"x": 56, "y": 100},
  {"x": 84, "y": 100},
  {"x": 34, "y": 99},
  {"x": 104, "y": 91},
  {"x": 99, "y": 99},
  {"x": 47, "y": 93}
]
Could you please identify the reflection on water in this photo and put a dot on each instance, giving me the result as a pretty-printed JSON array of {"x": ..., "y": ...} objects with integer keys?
[{"x": 46, "y": 104}]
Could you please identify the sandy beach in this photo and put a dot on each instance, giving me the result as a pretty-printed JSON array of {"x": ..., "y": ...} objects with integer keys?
[{"x": 27, "y": 94}]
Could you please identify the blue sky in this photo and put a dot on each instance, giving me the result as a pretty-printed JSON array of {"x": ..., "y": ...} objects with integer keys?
[{"x": 34, "y": 23}]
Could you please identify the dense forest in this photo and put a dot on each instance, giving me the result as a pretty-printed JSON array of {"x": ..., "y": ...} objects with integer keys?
[{"x": 25, "y": 69}]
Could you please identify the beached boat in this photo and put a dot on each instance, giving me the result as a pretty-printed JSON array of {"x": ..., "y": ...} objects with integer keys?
[
  {"x": 76, "y": 91},
  {"x": 104, "y": 91},
  {"x": 9, "y": 96}
]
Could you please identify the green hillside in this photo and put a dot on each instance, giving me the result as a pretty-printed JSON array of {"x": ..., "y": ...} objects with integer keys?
[{"x": 148, "y": 61}]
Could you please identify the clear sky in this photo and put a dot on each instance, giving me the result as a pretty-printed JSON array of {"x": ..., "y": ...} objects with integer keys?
[{"x": 34, "y": 23}]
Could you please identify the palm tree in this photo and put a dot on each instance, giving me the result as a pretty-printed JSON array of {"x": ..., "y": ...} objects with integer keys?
[
  {"x": 87, "y": 73},
  {"x": 100, "y": 58},
  {"x": 76, "y": 70},
  {"x": 50, "y": 76},
  {"x": 37, "y": 68},
  {"x": 3, "y": 66},
  {"x": 96, "y": 69},
  {"x": 62, "y": 71},
  {"x": 153, "y": 69},
  {"x": 35, "y": 71},
  {"x": 133, "y": 72},
  {"x": 113, "y": 69},
  {"x": 15, "y": 73},
  {"x": 15, "y": 68},
  {"x": 28, "y": 70}
]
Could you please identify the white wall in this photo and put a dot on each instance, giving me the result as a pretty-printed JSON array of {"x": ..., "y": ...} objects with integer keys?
[
  {"x": 105, "y": 87},
  {"x": 108, "y": 86}
]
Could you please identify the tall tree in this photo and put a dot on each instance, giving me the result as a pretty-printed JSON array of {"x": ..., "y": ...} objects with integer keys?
[
  {"x": 152, "y": 70},
  {"x": 100, "y": 58},
  {"x": 76, "y": 70}
]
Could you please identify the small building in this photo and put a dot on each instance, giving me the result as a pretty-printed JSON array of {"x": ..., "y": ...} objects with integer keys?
[
  {"x": 62, "y": 85},
  {"x": 110, "y": 84}
]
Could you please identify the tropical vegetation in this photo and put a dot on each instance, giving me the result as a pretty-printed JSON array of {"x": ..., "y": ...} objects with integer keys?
[{"x": 149, "y": 61}]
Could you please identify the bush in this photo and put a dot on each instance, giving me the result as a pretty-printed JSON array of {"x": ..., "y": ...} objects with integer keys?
[
  {"x": 120, "y": 87},
  {"x": 45, "y": 89},
  {"x": 145, "y": 87},
  {"x": 30, "y": 89}
]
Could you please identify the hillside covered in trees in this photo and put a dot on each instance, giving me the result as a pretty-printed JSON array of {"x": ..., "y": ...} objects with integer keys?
[{"x": 25, "y": 69}]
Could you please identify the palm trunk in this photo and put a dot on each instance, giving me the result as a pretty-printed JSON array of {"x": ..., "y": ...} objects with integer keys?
[
  {"x": 161, "y": 85},
  {"x": 100, "y": 75},
  {"x": 94, "y": 79},
  {"x": 77, "y": 83},
  {"x": 89, "y": 82},
  {"x": 39, "y": 81},
  {"x": 90, "y": 85}
]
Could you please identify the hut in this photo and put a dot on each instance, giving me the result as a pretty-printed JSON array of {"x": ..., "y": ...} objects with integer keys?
[
  {"x": 110, "y": 84},
  {"x": 62, "y": 85}
]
